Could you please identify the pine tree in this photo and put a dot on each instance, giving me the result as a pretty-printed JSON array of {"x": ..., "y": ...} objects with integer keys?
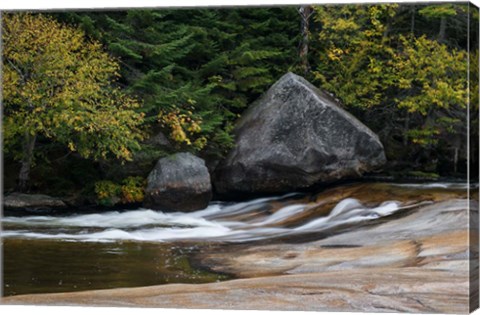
[{"x": 197, "y": 70}]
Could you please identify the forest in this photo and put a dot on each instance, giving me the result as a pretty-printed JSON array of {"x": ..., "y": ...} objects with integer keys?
[{"x": 105, "y": 94}]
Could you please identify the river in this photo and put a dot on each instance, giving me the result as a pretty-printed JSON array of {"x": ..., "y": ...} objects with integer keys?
[{"x": 335, "y": 229}]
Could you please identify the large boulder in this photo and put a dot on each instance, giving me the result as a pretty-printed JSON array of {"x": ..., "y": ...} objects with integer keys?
[
  {"x": 179, "y": 182},
  {"x": 293, "y": 137}
]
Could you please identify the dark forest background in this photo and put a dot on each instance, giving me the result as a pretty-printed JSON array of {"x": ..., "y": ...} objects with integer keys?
[{"x": 400, "y": 69}]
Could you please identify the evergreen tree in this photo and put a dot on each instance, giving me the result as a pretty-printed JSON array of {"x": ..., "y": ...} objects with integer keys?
[{"x": 197, "y": 70}]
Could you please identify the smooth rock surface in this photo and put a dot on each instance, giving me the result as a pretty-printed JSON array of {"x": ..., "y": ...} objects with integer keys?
[
  {"x": 179, "y": 182},
  {"x": 417, "y": 260},
  {"x": 384, "y": 290},
  {"x": 420, "y": 237},
  {"x": 293, "y": 137}
]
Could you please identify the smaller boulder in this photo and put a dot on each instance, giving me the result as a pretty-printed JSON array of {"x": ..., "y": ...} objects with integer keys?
[
  {"x": 180, "y": 182},
  {"x": 32, "y": 202}
]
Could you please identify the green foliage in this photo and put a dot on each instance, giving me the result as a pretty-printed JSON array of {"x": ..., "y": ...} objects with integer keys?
[
  {"x": 196, "y": 70},
  {"x": 57, "y": 85},
  {"x": 107, "y": 192},
  {"x": 91, "y": 89},
  {"x": 131, "y": 190},
  {"x": 423, "y": 175},
  {"x": 438, "y": 11},
  {"x": 353, "y": 64},
  {"x": 408, "y": 87},
  {"x": 431, "y": 81},
  {"x": 430, "y": 75}
]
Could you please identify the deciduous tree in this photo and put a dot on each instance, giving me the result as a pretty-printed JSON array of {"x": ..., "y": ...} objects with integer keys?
[{"x": 57, "y": 85}]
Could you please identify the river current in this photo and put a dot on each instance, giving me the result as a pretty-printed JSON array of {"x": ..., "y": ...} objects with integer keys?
[{"x": 146, "y": 247}]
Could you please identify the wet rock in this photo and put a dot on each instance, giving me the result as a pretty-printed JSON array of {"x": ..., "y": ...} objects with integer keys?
[
  {"x": 179, "y": 182},
  {"x": 32, "y": 202},
  {"x": 381, "y": 290},
  {"x": 416, "y": 237},
  {"x": 293, "y": 137}
]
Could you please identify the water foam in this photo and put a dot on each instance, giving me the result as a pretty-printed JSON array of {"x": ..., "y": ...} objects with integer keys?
[
  {"x": 438, "y": 185},
  {"x": 215, "y": 223}
]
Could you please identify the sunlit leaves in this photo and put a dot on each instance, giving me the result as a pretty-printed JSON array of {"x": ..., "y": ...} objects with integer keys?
[
  {"x": 353, "y": 61},
  {"x": 184, "y": 128},
  {"x": 59, "y": 85},
  {"x": 367, "y": 65},
  {"x": 432, "y": 81},
  {"x": 438, "y": 11},
  {"x": 433, "y": 75}
]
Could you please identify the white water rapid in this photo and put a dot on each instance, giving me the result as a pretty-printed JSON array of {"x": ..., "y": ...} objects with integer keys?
[{"x": 220, "y": 221}]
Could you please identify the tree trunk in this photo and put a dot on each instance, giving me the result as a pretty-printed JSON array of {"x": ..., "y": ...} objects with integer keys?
[
  {"x": 412, "y": 20},
  {"x": 305, "y": 14},
  {"x": 455, "y": 160},
  {"x": 406, "y": 127},
  {"x": 27, "y": 159},
  {"x": 443, "y": 29}
]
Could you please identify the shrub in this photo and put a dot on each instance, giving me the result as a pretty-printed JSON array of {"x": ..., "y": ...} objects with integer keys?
[
  {"x": 107, "y": 192},
  {"x": 133, "y": 189}
]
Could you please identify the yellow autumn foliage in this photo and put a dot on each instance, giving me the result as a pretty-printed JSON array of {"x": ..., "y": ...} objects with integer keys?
[{"x": 59, "y": 85}]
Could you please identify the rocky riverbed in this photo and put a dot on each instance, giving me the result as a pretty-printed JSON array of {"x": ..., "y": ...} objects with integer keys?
[{"x": 357, "y": 247}]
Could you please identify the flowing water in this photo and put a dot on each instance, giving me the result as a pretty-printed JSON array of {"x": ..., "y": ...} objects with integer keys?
[{"x": 145, "y": 247}]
